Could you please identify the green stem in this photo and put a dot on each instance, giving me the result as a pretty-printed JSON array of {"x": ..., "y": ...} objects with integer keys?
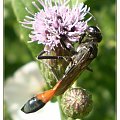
[{"x": 61, "y": 113}]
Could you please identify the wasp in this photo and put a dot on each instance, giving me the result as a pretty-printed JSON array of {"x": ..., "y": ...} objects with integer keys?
[{"x": 79, "y": 61}]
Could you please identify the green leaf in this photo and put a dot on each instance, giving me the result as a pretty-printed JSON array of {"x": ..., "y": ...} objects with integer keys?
[{"x": 20, "y": 12}]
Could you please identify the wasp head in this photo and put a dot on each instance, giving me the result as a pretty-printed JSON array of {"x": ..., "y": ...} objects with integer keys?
[{"x": 94, "y": 33}]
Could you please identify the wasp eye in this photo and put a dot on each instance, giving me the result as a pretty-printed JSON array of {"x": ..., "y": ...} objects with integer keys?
[{"x": 93, "y": 29}]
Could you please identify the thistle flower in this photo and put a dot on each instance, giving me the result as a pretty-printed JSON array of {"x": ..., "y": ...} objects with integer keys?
[
  {"x": 52, "y": 22},
  {"x": 76, "y": 103}
]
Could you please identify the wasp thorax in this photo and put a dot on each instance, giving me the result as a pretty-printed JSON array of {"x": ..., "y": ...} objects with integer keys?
[{"x": 76, "y": 103}]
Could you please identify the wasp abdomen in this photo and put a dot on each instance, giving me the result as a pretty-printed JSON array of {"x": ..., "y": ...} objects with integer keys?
[{"x": 33, "y": 105}]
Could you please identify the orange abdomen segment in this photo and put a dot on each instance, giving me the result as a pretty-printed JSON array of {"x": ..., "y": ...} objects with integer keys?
[{"x": 47, "y": 95}]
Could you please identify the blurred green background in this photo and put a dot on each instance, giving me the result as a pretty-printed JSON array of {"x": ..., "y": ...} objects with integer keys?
[{"x": 102, "y": 82}]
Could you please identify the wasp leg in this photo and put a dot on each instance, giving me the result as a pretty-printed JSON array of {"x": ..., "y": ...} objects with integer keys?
[
  {"x": 89, "y": 69},
  {"x": 81, "y": 38},
  {"x": 66, "y": 58},
  {"x": 66, "y": 45},
  {"x": 42, "y": 52},
  {"x": 50, "y": 57}
]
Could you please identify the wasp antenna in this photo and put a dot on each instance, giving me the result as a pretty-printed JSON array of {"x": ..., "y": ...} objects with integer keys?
[{"x": 92, "y": 17}]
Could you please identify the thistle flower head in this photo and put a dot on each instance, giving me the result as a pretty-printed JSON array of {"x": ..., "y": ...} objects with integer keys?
[
  {"x": 76, "y": 103},
  {"x": 52, "y": 22}
]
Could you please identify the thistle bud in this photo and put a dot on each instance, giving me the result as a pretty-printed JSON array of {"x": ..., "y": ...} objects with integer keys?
[{"x": 76, "y": 103}]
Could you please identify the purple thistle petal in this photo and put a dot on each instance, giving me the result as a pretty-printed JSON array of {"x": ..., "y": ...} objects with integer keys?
[{"x": 53, "y": 21}]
